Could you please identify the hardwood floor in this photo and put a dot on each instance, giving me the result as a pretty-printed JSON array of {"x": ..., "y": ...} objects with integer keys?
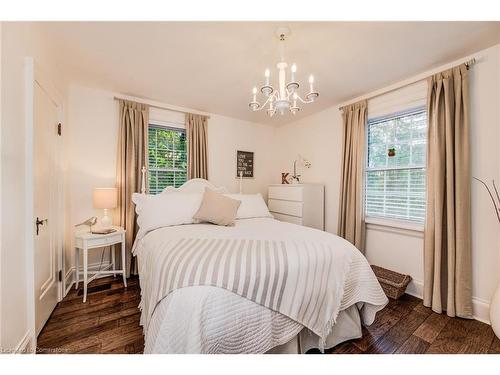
[
  {"x": 405, "y": 326},
  {"x": 109, "y": 323}
]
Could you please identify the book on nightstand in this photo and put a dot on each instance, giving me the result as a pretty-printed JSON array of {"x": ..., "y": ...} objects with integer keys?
[{"x": 103, "y": 231}]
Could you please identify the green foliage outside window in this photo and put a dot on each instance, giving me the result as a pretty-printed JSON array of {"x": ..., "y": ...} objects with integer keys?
[{"x": 167, "y": 151}]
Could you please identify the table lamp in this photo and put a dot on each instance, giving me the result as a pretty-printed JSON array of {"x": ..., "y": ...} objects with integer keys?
[{"x": 105, "y": 198}]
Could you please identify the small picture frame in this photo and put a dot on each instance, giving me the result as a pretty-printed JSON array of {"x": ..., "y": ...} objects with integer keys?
[{"x": 244, "y": 164}]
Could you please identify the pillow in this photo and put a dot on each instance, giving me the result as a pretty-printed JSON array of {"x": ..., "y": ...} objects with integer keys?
[
  {"x": 217, "y": 209},
  {"x": 252, "y": 205},
  {"x": 163, "y": 210}
]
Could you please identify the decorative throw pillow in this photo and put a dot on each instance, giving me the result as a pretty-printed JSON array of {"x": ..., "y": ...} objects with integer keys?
[
  {"x": 217, "y": 209},
  {"x": 252, "y": 205}
]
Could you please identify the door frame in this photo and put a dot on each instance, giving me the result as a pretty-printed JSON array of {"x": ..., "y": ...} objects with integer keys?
[{"x": 34, "y": 75}]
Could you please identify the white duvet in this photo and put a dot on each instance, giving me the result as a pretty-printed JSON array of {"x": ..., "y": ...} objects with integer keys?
[{"x": 208, "y": 319}]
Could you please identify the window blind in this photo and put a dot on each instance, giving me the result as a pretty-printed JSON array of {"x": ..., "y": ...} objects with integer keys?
[
  {"x": 395, "y": 166},
  {"x": 167, "y": 158}
]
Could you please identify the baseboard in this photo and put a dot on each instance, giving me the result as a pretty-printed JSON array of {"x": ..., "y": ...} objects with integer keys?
[
  {"x": 480, "y": 307},
  {"x": 69, "y": 278},
  {"x": 24, "y": 346},
  {"x": 481, "y": 310},
  {"x": 416, "y": 288}
]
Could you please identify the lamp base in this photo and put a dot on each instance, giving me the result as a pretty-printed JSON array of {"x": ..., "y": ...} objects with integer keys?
[{"x": 106, "y": 220}]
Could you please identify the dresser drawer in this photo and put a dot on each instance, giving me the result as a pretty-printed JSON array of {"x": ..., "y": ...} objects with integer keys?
[
  {"x": 285, "y": 207},
  {"x": 104, "y": 241},
  {"x": 287, "y": 218},
  {"x": 289, "y": 193}
]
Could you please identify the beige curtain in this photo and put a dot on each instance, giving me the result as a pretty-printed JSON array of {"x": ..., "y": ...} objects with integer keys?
[
  {"x": 447, "y": 244},
  {"x": 197, "y": 138},
  {"x": 132, "y": 155},
  {"x": 351, "y": 224}
]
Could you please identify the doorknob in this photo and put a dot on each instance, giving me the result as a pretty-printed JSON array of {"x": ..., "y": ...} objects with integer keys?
[{"x": 40, "y": 222}]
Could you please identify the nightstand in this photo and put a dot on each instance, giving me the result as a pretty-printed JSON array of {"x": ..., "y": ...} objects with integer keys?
[{"x": 88, "y": 241}]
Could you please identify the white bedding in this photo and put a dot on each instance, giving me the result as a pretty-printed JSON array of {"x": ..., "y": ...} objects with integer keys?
[{"x": 207, "y": 319}]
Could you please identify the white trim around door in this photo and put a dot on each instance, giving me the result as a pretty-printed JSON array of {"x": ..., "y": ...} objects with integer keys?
[{"x": 36, "y": 76}]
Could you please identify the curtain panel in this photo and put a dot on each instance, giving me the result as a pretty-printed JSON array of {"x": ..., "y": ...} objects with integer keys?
[
  {"x": 447, "y": 240},
  {"x": 351, "y": 224},
  {"x": 197, "y": 138},
  {"x": 132, "y": 156}
]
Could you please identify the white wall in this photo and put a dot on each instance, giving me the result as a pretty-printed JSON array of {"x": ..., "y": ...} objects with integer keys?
[
  {"x": 485, "y": 139},
  {"x": 92, "y": 133},
  {"x": 19, "y": 40},
  {"x": 227, "y": 135},
  {"x": 318, "y": 138}
]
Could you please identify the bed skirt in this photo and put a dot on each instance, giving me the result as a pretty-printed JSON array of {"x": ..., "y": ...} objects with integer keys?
[{"x": 347, "y": 327}]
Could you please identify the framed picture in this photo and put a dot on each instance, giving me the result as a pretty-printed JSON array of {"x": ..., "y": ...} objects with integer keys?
[{"x": 244, "y": 164}]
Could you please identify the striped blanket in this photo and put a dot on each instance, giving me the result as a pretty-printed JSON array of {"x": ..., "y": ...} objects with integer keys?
[{"x": 303, "y": 280}]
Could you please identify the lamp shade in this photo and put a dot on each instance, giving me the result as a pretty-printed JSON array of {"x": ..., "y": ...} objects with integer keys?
[{"x": 105, "y": 197}]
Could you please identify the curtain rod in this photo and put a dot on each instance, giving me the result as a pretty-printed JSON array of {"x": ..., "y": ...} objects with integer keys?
[
  {"x": 468, "y": 63},
  {"x": 159, "y": 105}
]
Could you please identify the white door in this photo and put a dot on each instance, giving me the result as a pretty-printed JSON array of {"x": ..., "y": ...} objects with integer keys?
[{"x": 45, "y": 121}]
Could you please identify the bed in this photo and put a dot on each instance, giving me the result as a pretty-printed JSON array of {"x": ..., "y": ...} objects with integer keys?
[{"x": 260, "y": 286}]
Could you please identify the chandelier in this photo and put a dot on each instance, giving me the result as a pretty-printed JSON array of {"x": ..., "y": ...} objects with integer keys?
[{"x": 286, "y": 97}]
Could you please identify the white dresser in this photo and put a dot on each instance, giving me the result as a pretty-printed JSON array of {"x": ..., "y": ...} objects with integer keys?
[{"x": 301, "y": 204}]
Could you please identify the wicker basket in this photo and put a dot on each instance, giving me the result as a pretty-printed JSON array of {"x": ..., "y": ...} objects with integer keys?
[{"x": 394, "y": 284}]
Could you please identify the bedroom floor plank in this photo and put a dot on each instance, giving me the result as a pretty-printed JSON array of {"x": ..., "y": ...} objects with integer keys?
[
  {"x": 414, "y": 345},
  {"x": 479, "y": 338},
  {"x": 345, "y": 348},
  {"x": 384, "y": 321},
  {"x": 109, "y": 323},
  {"x": 116, "y": 286},
  {"x": 452, "y": 338},
  {"x": 495, "y": 346},
  {"x": 404, "y": 304},
  {"x": 432, "y": 327},
  {"x": 399, "y": 333}
]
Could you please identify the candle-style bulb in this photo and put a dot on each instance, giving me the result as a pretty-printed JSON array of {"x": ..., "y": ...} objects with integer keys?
[
  {"x": 267, "y": 73},
  {"x": 311, "y": 79},
  {"x": 293, "y": 69},
  {"x": 254, "y": 91}
]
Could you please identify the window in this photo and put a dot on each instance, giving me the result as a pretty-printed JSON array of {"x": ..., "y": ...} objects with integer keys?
[
  {"x": 395, "y": 170},
  {"x": 167, "y": 158}
]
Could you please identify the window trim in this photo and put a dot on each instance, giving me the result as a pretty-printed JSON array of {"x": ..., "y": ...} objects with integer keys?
[
  {"x": 167, "y": 124},
  {"x": 378, "y": 221},
  {"x": 164, "y": 125}
]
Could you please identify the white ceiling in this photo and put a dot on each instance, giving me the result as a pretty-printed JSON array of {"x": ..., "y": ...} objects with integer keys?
[{"x": 212, "y": 66}]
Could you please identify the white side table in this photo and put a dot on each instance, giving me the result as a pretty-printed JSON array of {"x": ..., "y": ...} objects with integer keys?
[{"x": 88, "y": 241}]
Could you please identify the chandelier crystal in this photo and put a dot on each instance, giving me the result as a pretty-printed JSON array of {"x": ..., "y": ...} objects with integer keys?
[{"x": 286, "y": 97}]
